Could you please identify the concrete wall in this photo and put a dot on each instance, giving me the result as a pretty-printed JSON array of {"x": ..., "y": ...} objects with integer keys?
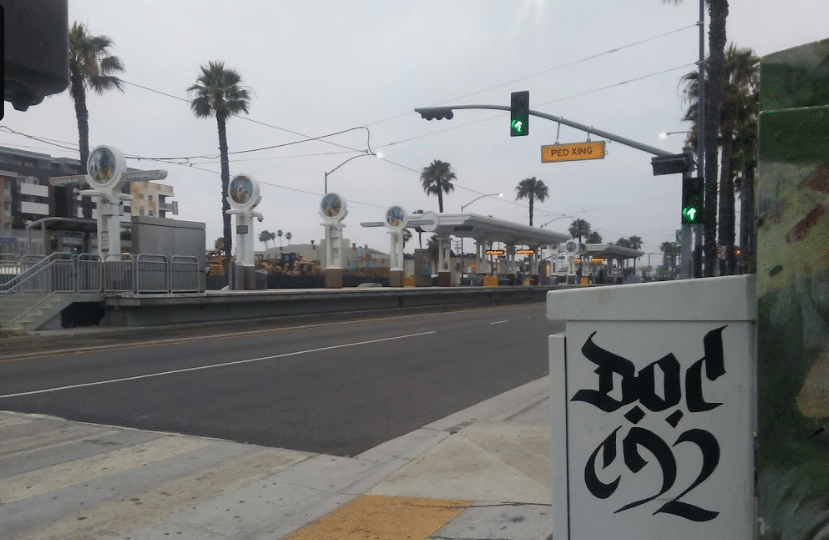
[{"x": 151, "y": 310}]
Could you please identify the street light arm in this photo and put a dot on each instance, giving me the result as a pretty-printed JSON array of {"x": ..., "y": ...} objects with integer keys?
[
  {"x": 481, "y": 197},
  {"x": 590, "y": 130},
  {"x": 367, "y": 153},
  {"x": 555, "y": 219}
]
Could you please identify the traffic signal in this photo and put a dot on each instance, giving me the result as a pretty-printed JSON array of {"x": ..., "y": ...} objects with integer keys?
[
  {"x": 693, "y": 195},
  {"x": 437, "y": 113},
  {"x": 519, "y": 114}
]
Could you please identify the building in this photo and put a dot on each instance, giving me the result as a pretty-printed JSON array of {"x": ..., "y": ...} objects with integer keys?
[
  {"x": 26, "y": 196},
  {"x": 150, "y": 199}
]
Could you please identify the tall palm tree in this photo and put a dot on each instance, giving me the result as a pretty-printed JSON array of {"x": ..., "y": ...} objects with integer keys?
[
  {"x": 737, "y": 136},
  {"x": 264, "y": 236},
  {"x": 741, "y": 96},
  {"x": 579, "y": 228},
  {"x": 407, "y": 235},
  {"x": 635, "y": 242},
  {"x": 90, "y": 67},
  {"x": 279, "y": 234},
  {"x": 594, "y": 238},
  {"x": 436, "y": 179},
  {"x": 718, "y": 13},
  {"x": 623, "y": 242},
  {"x": 218, "y": 92},
  {"x": 531, "y": 189},
  {"x": 670, "y": 250},
  {"x": 288, "y": 237}
]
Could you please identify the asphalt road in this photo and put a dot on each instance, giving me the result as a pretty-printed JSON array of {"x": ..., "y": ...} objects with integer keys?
[{"x": 333, "y": 387}]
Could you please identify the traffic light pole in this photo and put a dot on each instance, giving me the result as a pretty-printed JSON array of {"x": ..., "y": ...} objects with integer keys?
[
  {"x": 685, "y": 253},
  {"x": 427, "y": 111}
]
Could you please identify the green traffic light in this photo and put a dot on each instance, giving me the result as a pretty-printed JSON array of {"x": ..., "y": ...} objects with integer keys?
[{"x": 519, "y": 114}]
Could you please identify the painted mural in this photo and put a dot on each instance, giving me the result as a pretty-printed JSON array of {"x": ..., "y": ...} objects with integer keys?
[{"x": 793, "y": 295}]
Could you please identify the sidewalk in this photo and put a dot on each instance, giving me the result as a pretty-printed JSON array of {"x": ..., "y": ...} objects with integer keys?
[{"x": 482, "y": 473}]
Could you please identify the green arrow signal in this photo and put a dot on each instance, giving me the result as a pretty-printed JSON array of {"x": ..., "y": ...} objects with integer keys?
[{"x": 517, "y": 126}]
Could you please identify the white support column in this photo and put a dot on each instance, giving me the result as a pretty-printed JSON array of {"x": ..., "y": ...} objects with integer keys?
[
  {"x": 444, "y": 272},
  {"x": 510, "y": 259}
]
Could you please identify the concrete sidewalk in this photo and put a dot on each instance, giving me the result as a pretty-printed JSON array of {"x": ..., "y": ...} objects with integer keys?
[{"x": 482, "y": 473}]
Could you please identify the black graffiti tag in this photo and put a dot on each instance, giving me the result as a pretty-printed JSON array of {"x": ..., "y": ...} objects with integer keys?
[{"x": 641, "y": 387}]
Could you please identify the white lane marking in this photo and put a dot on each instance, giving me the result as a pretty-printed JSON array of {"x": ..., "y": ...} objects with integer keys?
[
  {"x": 211, "y": 366},
  {"x": 499, "y": 322}
]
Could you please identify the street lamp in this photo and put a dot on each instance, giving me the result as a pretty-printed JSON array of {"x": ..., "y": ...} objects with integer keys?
[
  {"x": 367, "y": 153},
  {"x": 555, "y": 219},
  {"x": 481, "y": 197},
  {"x": 664, "y": 134},
  {"x": 501, "y": 195}
]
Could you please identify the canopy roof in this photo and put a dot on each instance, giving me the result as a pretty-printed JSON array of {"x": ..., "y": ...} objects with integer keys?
[
  {"x": 612, "y": 251},
  {"x": 482, "y": 229}
]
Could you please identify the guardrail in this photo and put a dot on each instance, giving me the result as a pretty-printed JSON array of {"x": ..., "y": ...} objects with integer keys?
[{"x": 87, "y": 273}]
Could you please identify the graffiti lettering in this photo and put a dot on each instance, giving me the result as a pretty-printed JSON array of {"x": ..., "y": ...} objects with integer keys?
[{"x": 641, "y": 387}]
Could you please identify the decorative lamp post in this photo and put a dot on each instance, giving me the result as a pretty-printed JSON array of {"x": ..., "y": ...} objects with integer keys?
[
  {"x": 106, "y": 174},
  {"x": 396, "y": 221},
  {"x": 333, "y": 210},
  {"x": 243, "y": 196}
]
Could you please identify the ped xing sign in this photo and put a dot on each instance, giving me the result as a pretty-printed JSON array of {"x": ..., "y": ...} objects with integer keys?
[{"x": 552, "y": 153}]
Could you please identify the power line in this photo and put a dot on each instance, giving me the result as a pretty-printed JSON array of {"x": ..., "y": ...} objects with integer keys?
[{"x": 555, "y": 68}]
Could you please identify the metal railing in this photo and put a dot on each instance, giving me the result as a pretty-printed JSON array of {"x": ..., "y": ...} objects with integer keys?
[{"x": 86, "y": 273}]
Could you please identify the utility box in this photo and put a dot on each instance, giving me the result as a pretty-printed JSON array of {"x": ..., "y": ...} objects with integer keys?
[{"x": 653, "y": 410}]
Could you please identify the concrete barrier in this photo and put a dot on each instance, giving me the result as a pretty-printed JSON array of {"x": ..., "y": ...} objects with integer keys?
[{"x": 151, "y": 310}]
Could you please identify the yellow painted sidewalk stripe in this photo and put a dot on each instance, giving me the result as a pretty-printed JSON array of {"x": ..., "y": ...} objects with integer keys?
[
  {"x": 40, "y": 481},
  {"x": 117, "y": 518},
  {"x": 378, "y": 517}
]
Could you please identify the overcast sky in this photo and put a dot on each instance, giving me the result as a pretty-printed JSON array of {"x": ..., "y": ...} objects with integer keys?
[{"x": 320, "y": 67}]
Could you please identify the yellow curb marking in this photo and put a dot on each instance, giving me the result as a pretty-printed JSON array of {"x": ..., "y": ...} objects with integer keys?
[{"x": 382, "y": 518}]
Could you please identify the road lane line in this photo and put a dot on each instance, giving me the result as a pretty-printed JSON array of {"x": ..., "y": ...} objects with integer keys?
[
  {"x": 212, "y": 366},
  {"x": 499, "y": 322}
]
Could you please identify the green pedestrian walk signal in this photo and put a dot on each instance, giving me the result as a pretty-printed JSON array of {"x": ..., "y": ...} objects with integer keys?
[
  {"x": 693, "y": 195},
  {"x": 519, "y": 114}
]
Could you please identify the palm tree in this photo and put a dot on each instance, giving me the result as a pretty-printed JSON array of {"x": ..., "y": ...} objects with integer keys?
[
  {"x": 594, "y": 238},
  {"x": 635, "y": 242},
  {"x": 218, "y": 92},
  {"x": 437, "y": 180},
  {"x": 737, "y": 136},
  {"x": 288, "y": 238},
  {"x": 90, "y": 67},
  {"x": 670, "y": 251},
  {"x": 531, "y": 189},
  {"x": 407, "y": 235},
  {"x": 623, "y": 242},
  {"x": 718, "y": 12},
  {"x": 272, "y": 238},
  {"x": 579, "y": 228},
  {"x": 264, "y": 236},
  {"x": 279, "y": 234}
]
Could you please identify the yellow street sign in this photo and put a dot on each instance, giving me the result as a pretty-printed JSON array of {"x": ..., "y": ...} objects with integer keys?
[{"x": 572, "y": 152}]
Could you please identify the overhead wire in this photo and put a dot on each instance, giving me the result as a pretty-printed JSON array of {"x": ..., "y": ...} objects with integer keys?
[{"x": 549, "y": 70}]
